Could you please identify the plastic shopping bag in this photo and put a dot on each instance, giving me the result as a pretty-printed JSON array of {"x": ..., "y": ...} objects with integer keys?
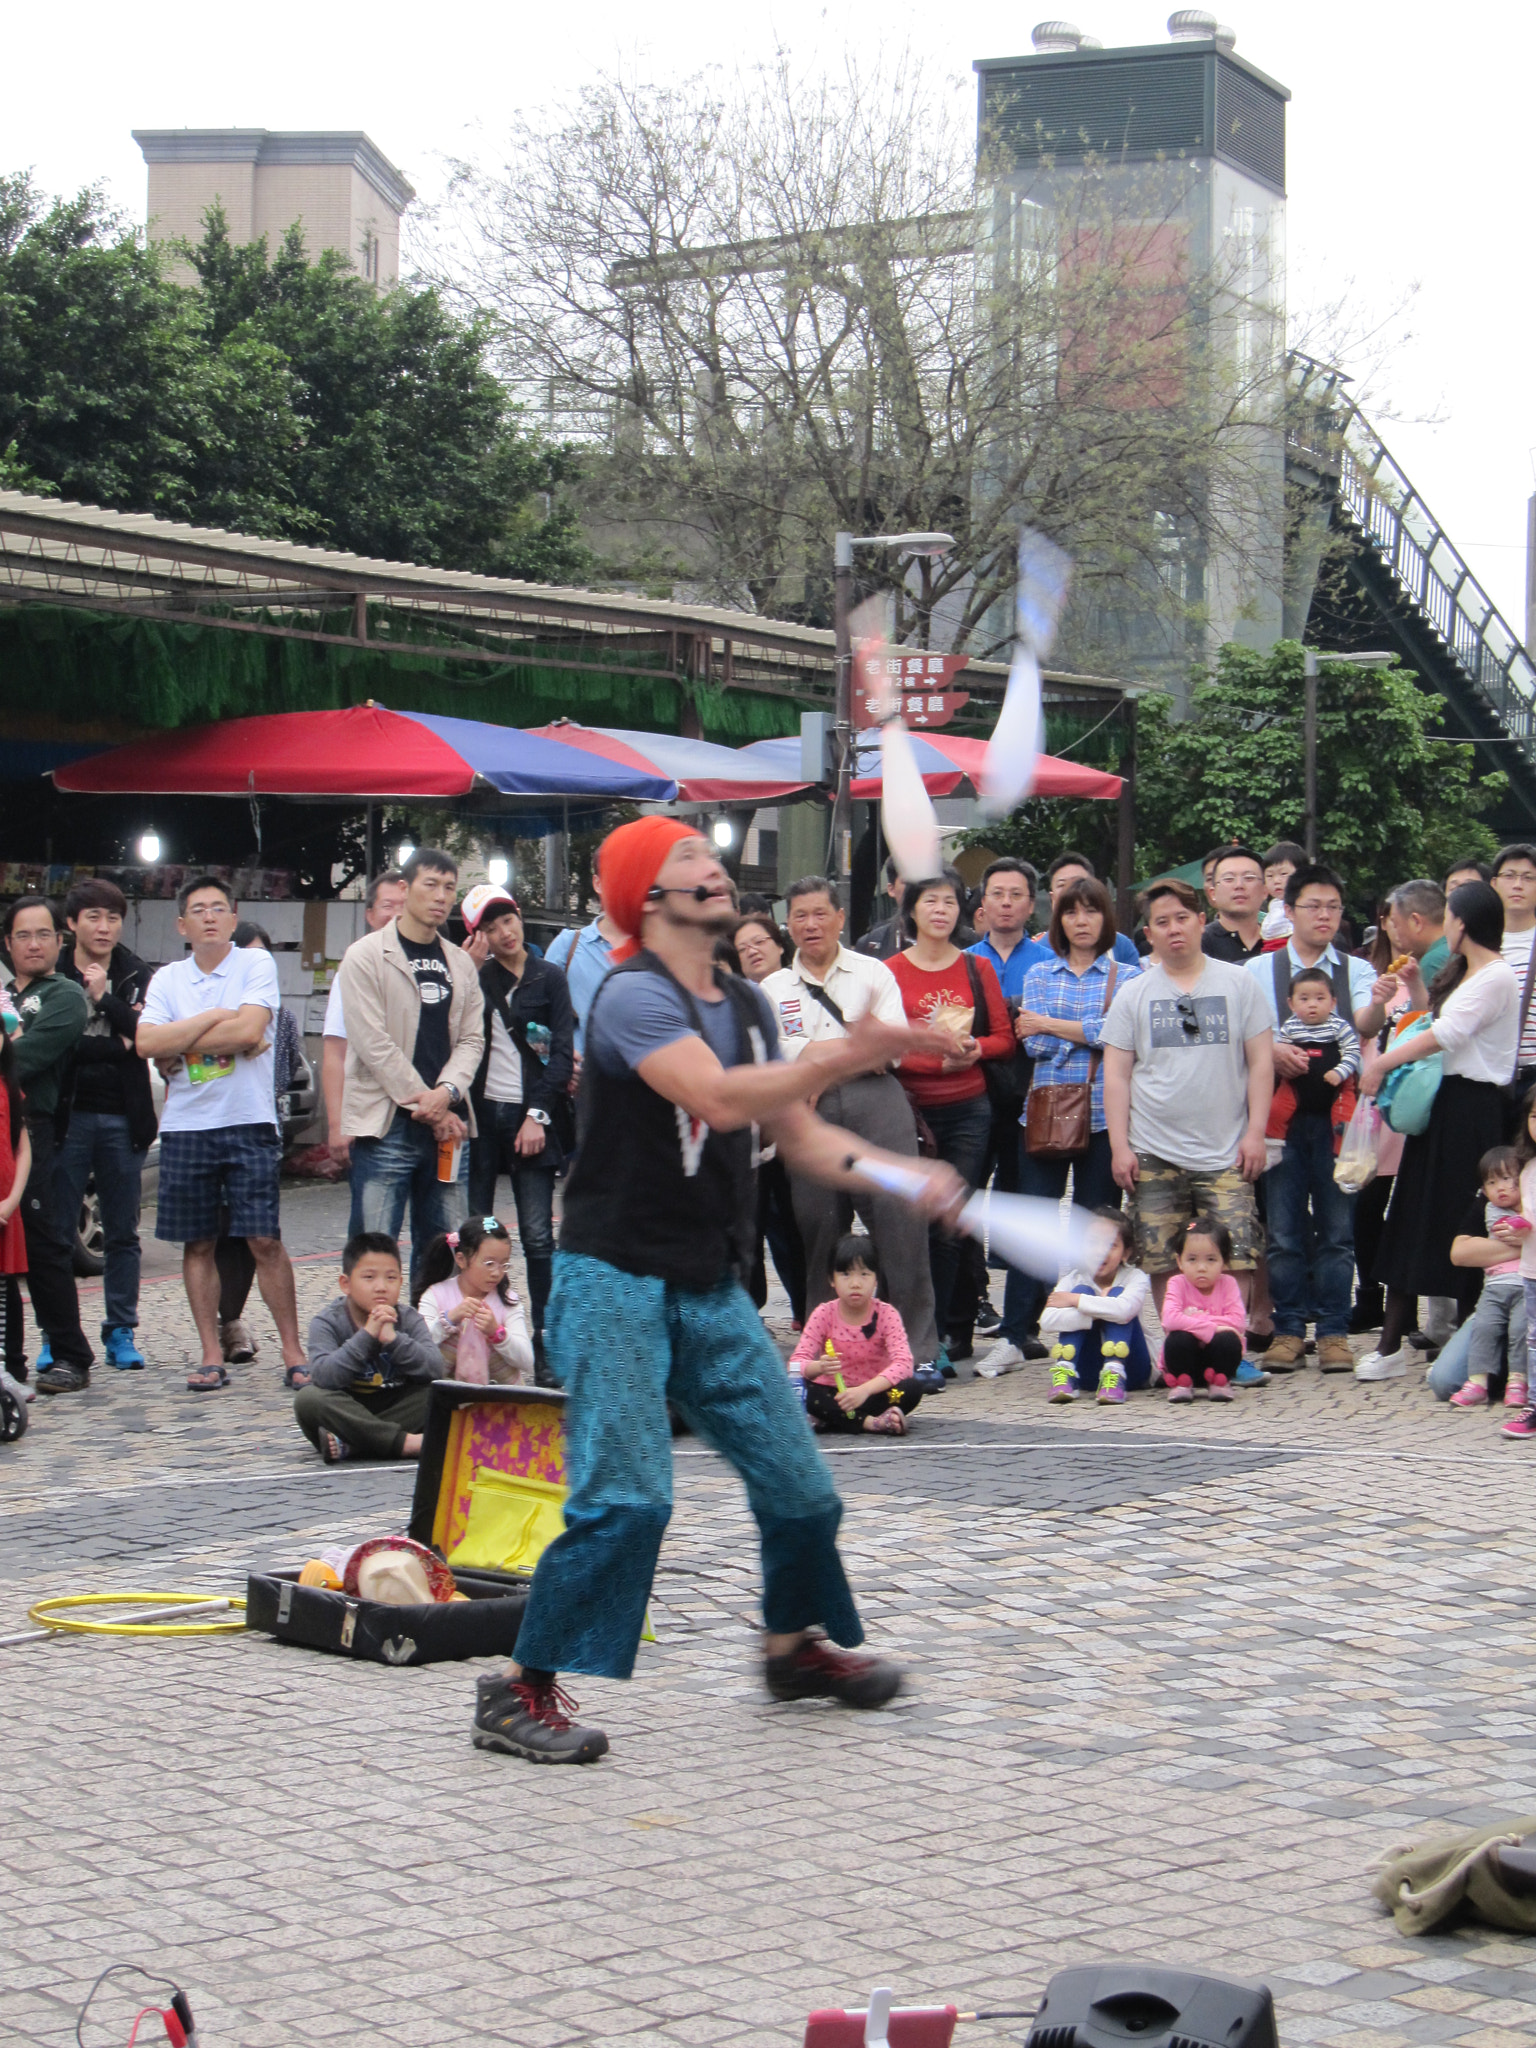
[{"x": 1356, "y": 1163}]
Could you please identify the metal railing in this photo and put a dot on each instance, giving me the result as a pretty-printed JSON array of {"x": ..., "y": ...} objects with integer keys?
[{"x": 1326, "y": 431}]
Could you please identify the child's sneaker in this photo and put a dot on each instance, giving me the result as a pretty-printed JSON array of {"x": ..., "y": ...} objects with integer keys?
[
  {"x": 1111, "y": 1385},
  {"x": 1515, "y": 1395},
  {"x": 1181, "y": 1389},
  {"x": 1472, "y": 1395},
  {"x": 121, "y": 1350},
  {"x": 1218, "y": 1388},
  {"x": 1523, "y": 1424},
  {"x": 1249, "y": 1375},
  {"x": 1064, "y": 1373}
]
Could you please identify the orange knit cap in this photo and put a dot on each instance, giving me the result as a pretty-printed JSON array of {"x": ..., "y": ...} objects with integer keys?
[{"x": 628, "y": 862}]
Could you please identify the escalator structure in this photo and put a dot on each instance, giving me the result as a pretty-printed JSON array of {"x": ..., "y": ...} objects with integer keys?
[{"x": 1390, "y": 577}]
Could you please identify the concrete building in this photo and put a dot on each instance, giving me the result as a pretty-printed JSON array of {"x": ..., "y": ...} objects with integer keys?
[
  {"x": 335, "y": 183},
  {"x": 1162, "y": 165}
]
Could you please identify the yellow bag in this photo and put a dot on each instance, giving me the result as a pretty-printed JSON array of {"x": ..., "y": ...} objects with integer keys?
[{"x": 512, "y": 1521}]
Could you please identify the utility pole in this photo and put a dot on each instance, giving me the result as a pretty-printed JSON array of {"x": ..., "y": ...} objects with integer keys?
[{"x": 842, "y": 803}]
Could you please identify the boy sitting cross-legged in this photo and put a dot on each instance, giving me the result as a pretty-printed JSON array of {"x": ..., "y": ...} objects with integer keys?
[{"x": 371, "y": 1362}]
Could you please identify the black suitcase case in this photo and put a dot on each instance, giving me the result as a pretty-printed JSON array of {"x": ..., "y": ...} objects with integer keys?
[{"x": 487, "y": 1494}]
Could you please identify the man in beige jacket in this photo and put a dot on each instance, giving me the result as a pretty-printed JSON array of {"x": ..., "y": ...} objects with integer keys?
[{"x": 415, "y": 1034}]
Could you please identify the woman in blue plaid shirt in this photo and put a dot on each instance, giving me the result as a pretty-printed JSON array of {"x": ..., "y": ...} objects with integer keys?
[{"x": 1063, "y": 1006}]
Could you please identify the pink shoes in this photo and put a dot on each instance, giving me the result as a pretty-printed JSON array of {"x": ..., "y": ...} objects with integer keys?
[{"x": 1472, "y": 1395}]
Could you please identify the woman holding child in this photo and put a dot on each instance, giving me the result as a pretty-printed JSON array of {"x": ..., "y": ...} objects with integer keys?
[{"x": 1474, "y": 1005}]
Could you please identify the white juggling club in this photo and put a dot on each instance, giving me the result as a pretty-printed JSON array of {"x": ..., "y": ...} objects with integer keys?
[
  {"x": 1018, "y": 740},
  {"x": 1032, "y": 1232}
]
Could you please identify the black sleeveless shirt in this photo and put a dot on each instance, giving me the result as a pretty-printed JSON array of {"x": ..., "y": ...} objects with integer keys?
[{"x": 653, "y": 1191}]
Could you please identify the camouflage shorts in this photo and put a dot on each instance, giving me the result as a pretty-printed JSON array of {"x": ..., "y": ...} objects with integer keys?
[{"x": 1167, "y": 1196}]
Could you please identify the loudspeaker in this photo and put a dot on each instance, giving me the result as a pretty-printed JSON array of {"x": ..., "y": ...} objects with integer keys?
[{"x": 1110, "y": 2005}]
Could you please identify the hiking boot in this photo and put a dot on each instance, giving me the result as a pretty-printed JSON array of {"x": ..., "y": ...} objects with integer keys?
[
  {"x": 1334, "y": 1355},
  {"x": 533, "y": 1720},
  {"x": 121, "y": 1350},
  {"x": 815, "y": 1671},
  {"x": 63, "y": 1379},
  {"x": 236, "y": 1342},
  {"x": 1285, "y": 1353}
]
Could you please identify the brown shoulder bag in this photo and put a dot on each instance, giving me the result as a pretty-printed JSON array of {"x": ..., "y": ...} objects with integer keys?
[{"x": 1058, "y": 1118}]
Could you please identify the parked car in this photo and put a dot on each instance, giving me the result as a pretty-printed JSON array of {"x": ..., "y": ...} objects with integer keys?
[{"x": 297, "y": 1108}]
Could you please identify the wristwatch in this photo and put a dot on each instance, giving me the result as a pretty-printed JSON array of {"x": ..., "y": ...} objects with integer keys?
[
  {"x": 538, "y": 1116},
  {"x": 455, "y": 1095}
]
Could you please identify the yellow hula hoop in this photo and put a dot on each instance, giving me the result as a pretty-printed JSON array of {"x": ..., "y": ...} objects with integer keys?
[{"x": 46, "y": 1613}]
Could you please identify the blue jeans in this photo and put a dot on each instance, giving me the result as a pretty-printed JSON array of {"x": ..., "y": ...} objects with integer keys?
[
  {"x": 401, "y": 1168},
  {"x": 1449, "y": 1371},
  {"x": 623, "y": 1346},
  {"x": 962, "y": 1132},
  {"x": 494, "y": 1152},
  {"x": 99, "y": 1144},
  {"x": 1311, "y": 1232},
  {"x": 1093, "y": 1187}
]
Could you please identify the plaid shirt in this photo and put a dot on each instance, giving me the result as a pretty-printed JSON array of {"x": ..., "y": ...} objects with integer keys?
[{"x": 1053, "y": 990}]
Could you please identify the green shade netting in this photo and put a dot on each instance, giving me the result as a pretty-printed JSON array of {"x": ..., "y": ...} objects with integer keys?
[{"x": 82, "y": 667}]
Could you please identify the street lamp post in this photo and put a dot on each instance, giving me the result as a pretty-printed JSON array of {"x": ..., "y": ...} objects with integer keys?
[
  {"x": 1309, "y": 670},
  {"x": 907, "y": 545}
]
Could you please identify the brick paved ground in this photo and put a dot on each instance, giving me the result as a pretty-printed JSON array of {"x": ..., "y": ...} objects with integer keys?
[{"x": 1178, "y": 1677}]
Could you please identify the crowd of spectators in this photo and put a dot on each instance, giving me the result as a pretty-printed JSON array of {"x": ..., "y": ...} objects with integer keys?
[{"x": 1195, "y": 1080}]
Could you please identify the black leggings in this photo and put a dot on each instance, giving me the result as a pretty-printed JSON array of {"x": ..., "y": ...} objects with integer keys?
[
  {"x": 1185, "y": 1356},
  {"x": 821, "y": 1404},
  {"x": 13, "y": 1332}
]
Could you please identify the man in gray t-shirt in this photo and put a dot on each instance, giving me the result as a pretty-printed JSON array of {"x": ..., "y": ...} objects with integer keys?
[{"x": 1188, "y": 1075}]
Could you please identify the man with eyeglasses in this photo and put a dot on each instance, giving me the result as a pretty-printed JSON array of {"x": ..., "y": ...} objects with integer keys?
[{"x": 1188, "y": 1076}]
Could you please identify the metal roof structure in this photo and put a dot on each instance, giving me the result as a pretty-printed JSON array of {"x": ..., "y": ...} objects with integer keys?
[{"x": 134, "y": 565}]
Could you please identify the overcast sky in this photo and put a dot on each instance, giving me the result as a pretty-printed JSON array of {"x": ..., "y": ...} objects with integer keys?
[{"x": 1408, "y": 146}]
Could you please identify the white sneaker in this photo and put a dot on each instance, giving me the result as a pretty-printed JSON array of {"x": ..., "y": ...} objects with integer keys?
[
  {"x": 1376, "y": 1367},
  {"x": 1001, "y": 1358},
  {"x": 19, "y": 1390}
]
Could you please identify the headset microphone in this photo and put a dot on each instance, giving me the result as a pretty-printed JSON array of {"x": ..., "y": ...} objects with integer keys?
[{"x": 700, "y": 895}]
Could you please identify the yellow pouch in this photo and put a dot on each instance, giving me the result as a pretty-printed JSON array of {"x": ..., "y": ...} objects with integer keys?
[{"x": 512, "y": 1521}]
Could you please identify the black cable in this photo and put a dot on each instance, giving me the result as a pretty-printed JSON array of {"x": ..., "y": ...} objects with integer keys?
[
  {"x": 116, "y": 1970},
  {"x": 1031, "y": 2014}
]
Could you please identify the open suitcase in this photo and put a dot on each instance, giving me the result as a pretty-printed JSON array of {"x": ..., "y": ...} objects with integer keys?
[{"x": 488, "y": 1497}]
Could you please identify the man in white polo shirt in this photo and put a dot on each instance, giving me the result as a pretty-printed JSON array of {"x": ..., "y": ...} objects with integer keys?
[
  {"x": 382, "y": 904},
  {"x": 209, "y": 1017},
  {"x": 825, "y": 989}
]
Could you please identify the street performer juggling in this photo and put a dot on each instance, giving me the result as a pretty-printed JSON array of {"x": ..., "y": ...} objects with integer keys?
[{"x": 646, "y": 1307}]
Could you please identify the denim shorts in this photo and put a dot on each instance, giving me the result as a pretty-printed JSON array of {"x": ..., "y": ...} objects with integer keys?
[{"x": 202, "y": 1172}]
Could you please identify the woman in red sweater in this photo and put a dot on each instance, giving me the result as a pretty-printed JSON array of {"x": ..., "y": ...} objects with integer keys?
[{"x": 945, "y": 988}]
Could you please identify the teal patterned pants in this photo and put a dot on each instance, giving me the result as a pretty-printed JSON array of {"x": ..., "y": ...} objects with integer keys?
[{"x": 623, "y": 1347}]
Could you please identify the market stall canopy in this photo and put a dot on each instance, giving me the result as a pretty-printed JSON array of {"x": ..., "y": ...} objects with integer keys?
[
  {"x": 704, "y": 773},
  {"x": 951, "y": 765},
  {"x": 363, "y": 751}
]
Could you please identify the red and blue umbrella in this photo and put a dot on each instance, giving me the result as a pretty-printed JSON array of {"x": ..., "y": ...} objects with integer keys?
[
  {"x": 363, "y": 751},
  {"x": 950, "y": 765},
  {"x": 704, "y": 772}
]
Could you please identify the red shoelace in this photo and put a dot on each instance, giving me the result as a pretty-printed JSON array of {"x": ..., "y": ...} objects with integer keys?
[{"x": 551, "y": 1704}]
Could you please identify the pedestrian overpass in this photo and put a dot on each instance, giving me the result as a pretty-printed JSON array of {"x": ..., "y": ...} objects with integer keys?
[{"x": 1369, "y": 565}]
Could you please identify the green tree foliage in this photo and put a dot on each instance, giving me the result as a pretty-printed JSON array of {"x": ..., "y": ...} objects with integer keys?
[
  {"x": 1391, "y": 804},
  {"x": 276, "y": 396}
]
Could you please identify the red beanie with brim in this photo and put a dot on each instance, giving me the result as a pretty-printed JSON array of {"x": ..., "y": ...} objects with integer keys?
[{"x": 628, "y": 862}]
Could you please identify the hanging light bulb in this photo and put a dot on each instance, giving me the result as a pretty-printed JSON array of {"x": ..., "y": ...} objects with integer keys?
[
  {"x": 403, "y": 853},
  {"x": 724, "y": 833},
  {"x": 498, "y": 872},
  {"x": 149, "y": 848}
]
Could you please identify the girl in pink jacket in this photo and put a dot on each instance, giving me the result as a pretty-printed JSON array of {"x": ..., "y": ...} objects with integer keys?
[{"x": 1203, "y": 1316}]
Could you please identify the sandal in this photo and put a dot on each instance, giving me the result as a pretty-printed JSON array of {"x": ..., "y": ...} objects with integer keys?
[
  {"x": 334, "y": 1448},
  {"x": 207, "y": 1379},
  {"x": 295, "y": 1377}
]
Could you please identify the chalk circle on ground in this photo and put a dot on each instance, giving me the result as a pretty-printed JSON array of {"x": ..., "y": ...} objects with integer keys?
[{"x": 155, "y": 1622}]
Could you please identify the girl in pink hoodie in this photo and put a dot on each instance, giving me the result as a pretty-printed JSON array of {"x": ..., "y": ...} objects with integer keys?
[{"x": 1203, "y": 1315}]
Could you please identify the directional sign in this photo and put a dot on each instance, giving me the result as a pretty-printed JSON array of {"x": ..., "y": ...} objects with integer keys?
[{"x": 892, "y": 681}]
